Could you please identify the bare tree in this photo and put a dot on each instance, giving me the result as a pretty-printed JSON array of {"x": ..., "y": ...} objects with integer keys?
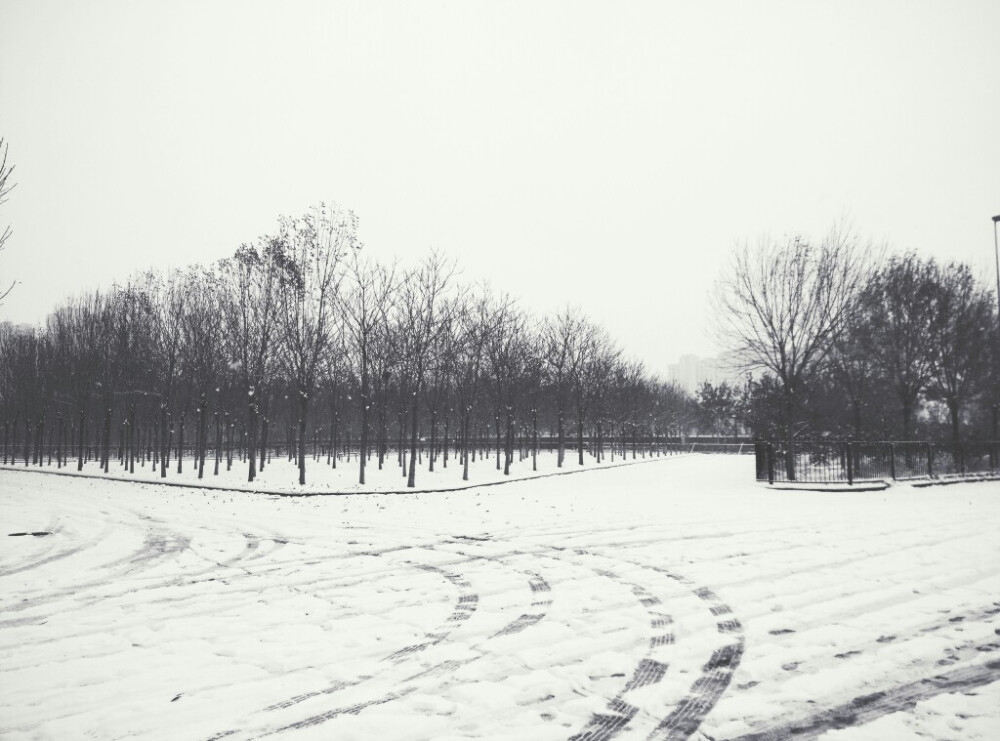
[
  {"x": 557, "y": 338},
  {"x": 251, "y": 284},
  {"x": 202, "y": 358},
  {"x": 316, "y": 245},
  {"x": 509, "y": 352},
  {"x": 781, "y": 306},
  {"x": 992, "y": 380},
  {"x": 853, "y": 360},
  {"x": 717, "y": 407},
  {"x": 131, "y": 311},
  {"x": 6, "y": 186},
  {"x": 74, "y": 329},
  {"x": 628, "y": 389},
  {"x": 471, "y": 327},
  {"x": 960, "y": 334},
  {"x": 366, "y": 307},
  {"x": 168, "y": 298},
  {"x": 900, "y": 307},
  {"x": 580, "y": 357},
  {"x": 423, "y": 310},
  {"x": 592, "y": 375}
]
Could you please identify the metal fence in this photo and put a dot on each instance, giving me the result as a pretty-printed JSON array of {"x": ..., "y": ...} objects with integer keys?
[{"x": 828, "y": 461}]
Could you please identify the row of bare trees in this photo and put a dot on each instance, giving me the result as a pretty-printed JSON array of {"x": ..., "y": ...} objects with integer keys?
[
  {"x": 838, "y": 339},
  {"x": 299, "y": 339}
]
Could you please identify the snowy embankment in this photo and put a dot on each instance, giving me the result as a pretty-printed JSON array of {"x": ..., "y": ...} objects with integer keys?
[{"x": 672, "y": 599}]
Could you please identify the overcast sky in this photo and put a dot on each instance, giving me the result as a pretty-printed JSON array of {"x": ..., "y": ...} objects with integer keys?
[{"x": 608, "y": 155}]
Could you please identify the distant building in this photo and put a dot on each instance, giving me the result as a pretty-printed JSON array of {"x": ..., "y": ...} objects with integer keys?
[{"x": 691, "y": 371}]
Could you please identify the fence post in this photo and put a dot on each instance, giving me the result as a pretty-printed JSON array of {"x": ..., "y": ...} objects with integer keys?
[
  {"x": 930, "y": 460},
  {"x": 770, "y": 463},
  {"x": 892, "y": 460},
  {"x": 850, "y": 465},
  {"x": 961, "y": 459}
]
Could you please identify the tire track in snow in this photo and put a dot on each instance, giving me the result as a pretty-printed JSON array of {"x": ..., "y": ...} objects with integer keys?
[
  {"x": 158, "y": 545},
  {"x": 605, "y": 726},
  {"x": 789, "y": 555},
  {"x": 717, "y": 673},
  {"x": 536, "y": 584},
  {"x": 462, "y": 609},
  {"x": 704, "y": 693},
  {"x": 864, "y": 709},
  {"x": 66, "y": 553}
]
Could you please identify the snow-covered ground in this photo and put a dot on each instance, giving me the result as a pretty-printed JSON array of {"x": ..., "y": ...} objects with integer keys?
[
  {"x": 671, "y": 599},
  {"x": 282, "y": 476}
]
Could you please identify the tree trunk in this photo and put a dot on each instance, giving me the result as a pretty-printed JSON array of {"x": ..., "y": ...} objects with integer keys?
[
  {"x": 251, "y": 442},
  {"x": 399, "y": 452},
  {"x": 202, "y": 442},
  {"x": 955, "y": 412},
  {"x": 559, "y": 456},
  {"x": 498, "y": 438},
  {"x": 180, "y": 444},
  {"x": 465, "y": 445},
  {"x": 509, "y": 446},
  {"x": 363, "y": 457},
  {"x": 534, "y": 440},
  {"x": 164, "y": 442},
  {"x": 789, "y": 435},
  {"x": 334, "y": 436},
  {"x": 79, "y": 449},
  {"x": 411, "y": 479},
  {"x": 265, "y": 428},
  {"x": 303, "y": 411},
  {"x": 59, "y": 443},
  {"x": 383, "y": 434},
  {"x": 107, "y": 438},
  {"x": 433, "y": 434},
  {"x": 444, "y": 443},
  {"x": 131, "y": 439},
  {"x": 40, "y": 441},
  {"x": 218, "y": 443}
]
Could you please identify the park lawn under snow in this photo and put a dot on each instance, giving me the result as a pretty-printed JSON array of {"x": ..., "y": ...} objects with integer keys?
[
  {"x": 281, "y": 475},
  {"x": 671, "y": 599}
]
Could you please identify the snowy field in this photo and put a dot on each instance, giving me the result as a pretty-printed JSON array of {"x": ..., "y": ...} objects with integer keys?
[
  {"x": 282, "y": 476},
  {"x": 671, "y": 599}
]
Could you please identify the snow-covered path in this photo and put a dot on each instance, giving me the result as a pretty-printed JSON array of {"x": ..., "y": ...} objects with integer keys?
[{"x": 671, "y": 599}]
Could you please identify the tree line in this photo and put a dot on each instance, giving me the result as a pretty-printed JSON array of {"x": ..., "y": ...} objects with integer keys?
[
  {"x": 836, "y": 339},
  {"x": 298, "y": 337}
]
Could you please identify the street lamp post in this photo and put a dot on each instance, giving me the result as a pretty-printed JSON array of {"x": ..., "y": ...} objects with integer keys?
[{"x": 996, "y": 249}]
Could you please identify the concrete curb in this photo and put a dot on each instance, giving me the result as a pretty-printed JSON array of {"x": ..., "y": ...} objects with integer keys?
[
  {"x": 831, "y": 487},
  {"x": 840, "y": 486}
]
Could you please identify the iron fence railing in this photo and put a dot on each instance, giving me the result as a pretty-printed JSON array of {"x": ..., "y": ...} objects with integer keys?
[{"x": 811, "y": 461}]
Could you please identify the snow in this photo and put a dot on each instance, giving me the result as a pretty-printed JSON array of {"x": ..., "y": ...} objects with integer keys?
[
  {"x": 281, "y": 475},
  {"x": 672, "y": 598}
]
